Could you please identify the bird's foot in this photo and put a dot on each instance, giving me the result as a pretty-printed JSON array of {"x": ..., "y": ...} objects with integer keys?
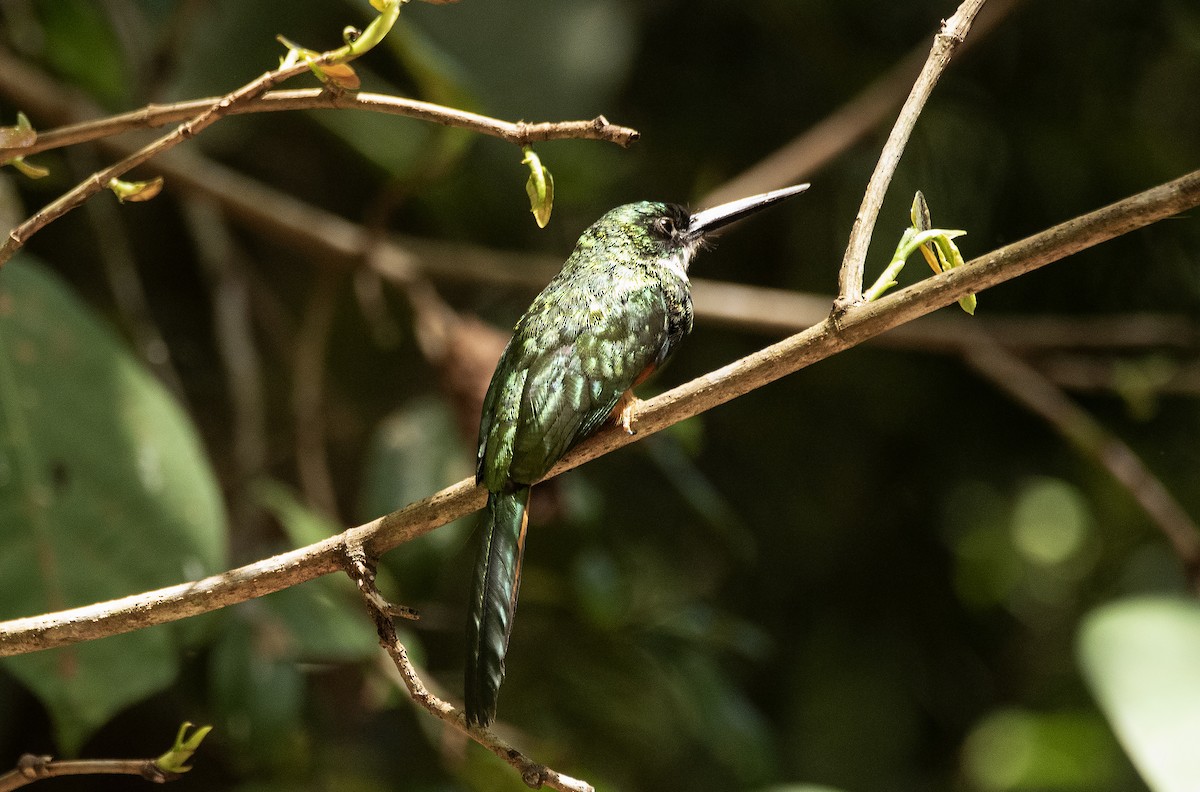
[{"x": 625, "y": 410}]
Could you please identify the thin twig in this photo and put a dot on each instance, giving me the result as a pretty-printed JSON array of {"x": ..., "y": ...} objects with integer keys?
[
  {"x": 856, "y": 325},
  {"x": 32, "y": 768},
  {"x": 534, "y": 774},
  {"x": 1028, "y": 387},
  {"x": 947, "y": 40},
  {"x": 237, "y": 101},
  {"x": 800, "y": 158},
  {"x": 151, "y": 116},
  {"x": 98, "y": 181},
  {"x": 404, "y": 259}
]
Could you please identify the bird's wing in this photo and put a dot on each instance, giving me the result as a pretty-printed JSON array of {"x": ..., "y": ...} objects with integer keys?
[{"x": 575, "y": 370}]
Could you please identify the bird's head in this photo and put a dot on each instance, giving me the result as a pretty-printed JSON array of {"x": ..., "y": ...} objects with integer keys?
[{"x": 668, "y": 233}]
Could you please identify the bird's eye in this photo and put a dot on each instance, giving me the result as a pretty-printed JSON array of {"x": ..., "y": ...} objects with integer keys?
[{"x": 664, "y": 227}]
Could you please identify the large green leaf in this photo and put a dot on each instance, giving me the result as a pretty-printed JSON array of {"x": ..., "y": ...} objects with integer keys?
[
  {"x": 1142, "y": 659},
  {"x": 104, "y": 491}
]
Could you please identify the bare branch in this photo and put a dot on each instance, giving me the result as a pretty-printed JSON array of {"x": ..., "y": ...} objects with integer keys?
[
  {"x": 534, "y": 774},
  {"x": 243, "y": 99},
  {"x": 99, "y": 180},
  {"x": 518, "y": 133},
  {"x": 948, "y": 39},
  {"x": 31, "y": 768},
  {"x": 825, "y": 141},
  {"x": 856, "y": 325},
  {"x": 338, "y": 241}
]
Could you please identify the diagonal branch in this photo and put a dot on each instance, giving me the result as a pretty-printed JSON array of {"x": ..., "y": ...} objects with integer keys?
[
  {"x": 99, "y": 180},
  {"x": 857, "y": 324},
  {"x": 534, "y": 774},
  {"x": 836, "y": 133},
  {"x": 948, "y": 39}
]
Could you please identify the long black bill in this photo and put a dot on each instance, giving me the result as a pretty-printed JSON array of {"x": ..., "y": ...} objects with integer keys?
[{"x": 708, "y": 220}]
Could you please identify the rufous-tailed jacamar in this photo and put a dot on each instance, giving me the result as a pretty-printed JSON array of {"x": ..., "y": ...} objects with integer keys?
[{"x": 615, "y": 313}]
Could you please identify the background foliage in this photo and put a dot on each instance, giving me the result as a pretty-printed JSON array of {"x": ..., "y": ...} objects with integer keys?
[{"x": 871, "y": 575}]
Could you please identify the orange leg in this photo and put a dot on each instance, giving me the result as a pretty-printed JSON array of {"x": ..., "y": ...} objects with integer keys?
[{"x": 625, "y": 409}]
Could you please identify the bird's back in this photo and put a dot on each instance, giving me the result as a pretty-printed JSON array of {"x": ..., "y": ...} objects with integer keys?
[{"x": 594, "y": 332}]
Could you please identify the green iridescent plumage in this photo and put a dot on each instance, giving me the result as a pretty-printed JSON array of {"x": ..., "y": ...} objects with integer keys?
[{"x": 615, "y": 312}]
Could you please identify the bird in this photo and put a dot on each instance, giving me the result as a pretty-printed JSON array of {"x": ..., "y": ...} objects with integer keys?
[{"x": 615, "y": 312}]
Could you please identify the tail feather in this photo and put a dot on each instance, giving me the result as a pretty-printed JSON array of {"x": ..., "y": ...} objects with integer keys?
[{"x": 493, "y": 600}]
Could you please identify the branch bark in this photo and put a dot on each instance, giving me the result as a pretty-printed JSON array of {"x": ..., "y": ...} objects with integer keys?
[
  {"x": 518, "y": 133},
  {"x": 833, "y": 335},
  {"x": 32, "y": 768},
  {"x": 247, "y": 99},
  {"x": 403, "y": 259},
  {"x": 99, "y": 180}
]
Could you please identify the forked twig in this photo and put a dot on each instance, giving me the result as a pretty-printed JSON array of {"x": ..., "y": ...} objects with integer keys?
[{"x": 536, "y": 775}]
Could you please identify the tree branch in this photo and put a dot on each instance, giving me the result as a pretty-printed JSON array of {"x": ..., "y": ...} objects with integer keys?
[
  {"x": 857, "y": 324},
  {"x": 518, "y": 133},
  {"x": 534, "y": 774},
  {"x": 31, "y": 768},
  {"x": 948, "y": 39},
  {"x": 833, "y": 135},
  {"x": 245, "y": 99},
  {"x": 99, "y": 180}
]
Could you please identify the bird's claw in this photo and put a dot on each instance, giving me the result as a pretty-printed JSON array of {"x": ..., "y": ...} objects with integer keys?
[{"x": 629, "y": 405}]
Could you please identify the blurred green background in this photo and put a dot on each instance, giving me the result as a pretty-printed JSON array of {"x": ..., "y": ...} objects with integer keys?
[{"x": 877, "y": 574}]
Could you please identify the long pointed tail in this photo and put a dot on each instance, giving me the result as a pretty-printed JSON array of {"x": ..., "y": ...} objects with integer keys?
[{"x": 493, "y": 600}]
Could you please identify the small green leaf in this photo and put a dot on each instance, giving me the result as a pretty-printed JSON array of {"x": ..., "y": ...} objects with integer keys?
[
  {"x": 295, "y": 52},
  {"x": 176, "y": 759},
  {"x": 936, "y": 246},
  {"x": 135, "y": 191},
  {"x": 539, "y": 187}
]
